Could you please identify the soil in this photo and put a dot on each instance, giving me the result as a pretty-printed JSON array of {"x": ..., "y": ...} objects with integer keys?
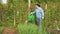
[
  {"x": 7, "y": 30},
  {"x": 53, "y": 31}
]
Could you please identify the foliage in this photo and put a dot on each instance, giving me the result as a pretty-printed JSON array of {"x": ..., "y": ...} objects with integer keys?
[
  {"x": 1, "y": 30},
  {"x": 29, "y": 29}
]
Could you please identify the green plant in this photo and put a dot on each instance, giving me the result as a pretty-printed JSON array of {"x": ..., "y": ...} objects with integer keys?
[
  {"x": 1, "y": 30},
  {"x": 30, "y": 29}
]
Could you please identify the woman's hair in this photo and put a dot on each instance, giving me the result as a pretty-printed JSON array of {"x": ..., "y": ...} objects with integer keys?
[{"x": 38, "y": 5}]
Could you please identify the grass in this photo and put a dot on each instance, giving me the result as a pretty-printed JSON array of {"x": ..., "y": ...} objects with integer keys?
[
  {"x": 30, "y": 29},
  {"x": 1, "y": 30}
]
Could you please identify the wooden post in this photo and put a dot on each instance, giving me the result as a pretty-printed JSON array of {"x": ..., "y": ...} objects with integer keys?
[
  {"x": 29, "y": 3},
  {"x": 14, "y": 13},
  {"x": 14, "y": 19},
  {"x": 46, "y": 6}
]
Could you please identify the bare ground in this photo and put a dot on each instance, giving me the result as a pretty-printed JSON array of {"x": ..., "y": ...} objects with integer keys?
[{"x": 7, "y": 30}]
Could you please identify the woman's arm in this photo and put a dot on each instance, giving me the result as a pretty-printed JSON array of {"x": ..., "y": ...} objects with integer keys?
[{"x": 33, "y": 12}]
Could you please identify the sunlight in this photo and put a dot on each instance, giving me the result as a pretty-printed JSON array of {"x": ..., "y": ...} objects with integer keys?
[{"x": 4, "y": 1}]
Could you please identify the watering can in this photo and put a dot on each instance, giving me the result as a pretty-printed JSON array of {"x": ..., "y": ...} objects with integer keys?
[{"x": 31, "y": 17}]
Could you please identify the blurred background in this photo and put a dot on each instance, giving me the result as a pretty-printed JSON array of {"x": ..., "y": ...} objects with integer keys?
[{"x": 14, "y": 13}]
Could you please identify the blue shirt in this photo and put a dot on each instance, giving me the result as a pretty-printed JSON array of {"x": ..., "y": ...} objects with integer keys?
[{"x": 39, "y": 13}]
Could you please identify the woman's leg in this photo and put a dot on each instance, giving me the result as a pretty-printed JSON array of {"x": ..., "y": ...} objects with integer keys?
[{"x": 39, "y": 25}]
